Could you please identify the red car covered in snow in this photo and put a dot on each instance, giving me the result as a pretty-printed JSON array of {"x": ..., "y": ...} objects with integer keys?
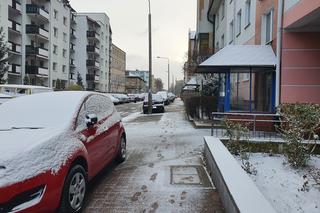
[{"x": 52, "y": 145}]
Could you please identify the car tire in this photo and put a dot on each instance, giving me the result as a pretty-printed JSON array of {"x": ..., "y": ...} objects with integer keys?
[
  {"x": 122, "y": 153},
  {"x": 78, "y": 181}
]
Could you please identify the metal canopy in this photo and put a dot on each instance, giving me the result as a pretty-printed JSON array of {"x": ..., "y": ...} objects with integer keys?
[{"x": 240, "y": 58}]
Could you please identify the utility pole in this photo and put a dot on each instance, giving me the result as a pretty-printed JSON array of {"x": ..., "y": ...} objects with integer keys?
[
  {"x": 168, "y": 70},
  {"x": 150, "y": 63}
]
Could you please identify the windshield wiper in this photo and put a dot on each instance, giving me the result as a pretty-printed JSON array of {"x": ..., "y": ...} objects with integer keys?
[
  {"x": 17, "y": 128},
  {"x": 14, "y": 128}
]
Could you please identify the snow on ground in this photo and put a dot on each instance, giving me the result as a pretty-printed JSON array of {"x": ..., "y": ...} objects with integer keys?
[{"x": 282, "y": 185}]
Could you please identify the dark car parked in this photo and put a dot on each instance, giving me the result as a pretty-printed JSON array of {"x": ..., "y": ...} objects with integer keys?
[{"x": 157, "y": 104}]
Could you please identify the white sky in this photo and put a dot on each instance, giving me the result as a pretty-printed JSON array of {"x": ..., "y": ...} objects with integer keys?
[{"x": 171, "y": 20}]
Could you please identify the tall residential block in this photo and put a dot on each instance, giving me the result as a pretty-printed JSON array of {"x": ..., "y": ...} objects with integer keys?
[{"x": 92, "y": 51}]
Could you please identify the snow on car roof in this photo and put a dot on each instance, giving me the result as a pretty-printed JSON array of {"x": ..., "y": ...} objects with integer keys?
[
  {"x": 41, "y": 110},
  {"x": 24, "y": 86},
  {"x": 5, "y": 96}
]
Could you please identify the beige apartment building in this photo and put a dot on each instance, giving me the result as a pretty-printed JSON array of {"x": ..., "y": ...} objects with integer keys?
[{"x": 118, "y": 70}]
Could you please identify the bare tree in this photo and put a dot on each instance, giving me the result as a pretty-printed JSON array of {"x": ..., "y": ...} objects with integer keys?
[{"x": 3, "y": 57}]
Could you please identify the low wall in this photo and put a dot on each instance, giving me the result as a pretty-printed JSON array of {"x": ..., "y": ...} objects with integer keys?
[{"x": 237, "y": 191}]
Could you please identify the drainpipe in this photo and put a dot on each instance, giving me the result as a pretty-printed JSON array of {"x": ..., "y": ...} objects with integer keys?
[{"x": 279, "y": 50}]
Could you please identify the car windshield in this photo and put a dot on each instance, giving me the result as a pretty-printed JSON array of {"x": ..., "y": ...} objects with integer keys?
[
  {"x": 155, "y": 97},
  {"x": 54, "y": 109}
]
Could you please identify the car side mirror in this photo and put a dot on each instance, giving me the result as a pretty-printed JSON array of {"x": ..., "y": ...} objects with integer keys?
[{"x": 91, "y": 120}]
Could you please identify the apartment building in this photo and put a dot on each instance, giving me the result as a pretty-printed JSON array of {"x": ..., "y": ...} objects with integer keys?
[
  {"x": 135, "y": 84},
  {"x": 92, "y": 51},
  {"x": 38, "y": 35},
  {"x": 118, "y": 70},
  {"x": 144, "y": 74}
]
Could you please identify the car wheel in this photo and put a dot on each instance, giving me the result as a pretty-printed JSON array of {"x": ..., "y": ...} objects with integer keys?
[
  {"x": 74, "y": 190},
  {"x": 122, "y": 153}
]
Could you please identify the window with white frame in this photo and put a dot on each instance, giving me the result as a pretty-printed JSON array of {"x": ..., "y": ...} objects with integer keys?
[
  {"x": 55, "y": 14},
  {"x": 231, "y": 32},
  {"x": 268, "y": 25},
  {"x": 64, "y": 21},
  {"x": 248, "y": 13},
  {"x": 55, "y": 49},
  {"x": 222, "y": 41},
  {"x": 54, "y": 66},
  {"x": 55, "y": 32},
  {"x": 239, "y": 16},
  {"x": 64, "y": 68},
  {"x": 64, "y": 53},
  {"x": 65, "y": 37}
]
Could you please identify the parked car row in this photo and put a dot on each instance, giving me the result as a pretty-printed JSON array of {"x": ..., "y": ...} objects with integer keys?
[
  {"x": 118, "y": 98},
  {"x": 159, "y": 101}
]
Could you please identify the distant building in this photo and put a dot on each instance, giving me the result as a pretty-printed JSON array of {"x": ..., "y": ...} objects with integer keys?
[
  {"x": 92, "y": 55},
  {"x": 135, "y": 84},
  {"x": 142, "y": 73},
  {"x": 118, "y": 70}
]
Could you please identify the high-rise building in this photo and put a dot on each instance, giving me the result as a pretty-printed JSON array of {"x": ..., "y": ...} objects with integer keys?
[
  {"x": 38, "y": 36},
  {"x": 92, "y": 52}
]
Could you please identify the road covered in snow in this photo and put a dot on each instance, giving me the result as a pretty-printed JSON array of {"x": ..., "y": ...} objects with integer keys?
[{"x": 163, "y": 172}]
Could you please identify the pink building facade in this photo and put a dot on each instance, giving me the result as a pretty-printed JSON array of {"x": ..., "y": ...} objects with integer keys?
[{"x": 300, "y": 57}]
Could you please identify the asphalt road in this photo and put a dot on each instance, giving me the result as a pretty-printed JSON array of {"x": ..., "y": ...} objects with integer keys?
[{"x": 163, "y": 172}]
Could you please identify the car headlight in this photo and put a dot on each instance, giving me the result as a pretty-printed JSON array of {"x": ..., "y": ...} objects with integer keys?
[{"x": 24, "y": 200}]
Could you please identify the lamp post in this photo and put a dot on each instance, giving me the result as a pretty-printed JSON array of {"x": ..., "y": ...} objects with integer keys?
[
  {"x": 150, "y": 63},
  {"x": 168, "y": 70}
]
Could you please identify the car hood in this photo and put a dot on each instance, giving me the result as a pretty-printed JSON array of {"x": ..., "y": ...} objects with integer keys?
[
  {"x": 26, "y": 153},
  {"x": 15, "y": 141}
]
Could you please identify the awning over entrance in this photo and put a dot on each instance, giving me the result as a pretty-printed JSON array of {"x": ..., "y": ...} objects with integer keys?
[{"x": 238, "y": 57}]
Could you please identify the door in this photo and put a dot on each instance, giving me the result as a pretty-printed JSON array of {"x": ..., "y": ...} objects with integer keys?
[{"x": 99, "y": 139}]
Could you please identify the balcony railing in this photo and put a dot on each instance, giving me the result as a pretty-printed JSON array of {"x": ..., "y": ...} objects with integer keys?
[
  {"x": 36, "y": 70},
  {"x": 15, "y": 5},
  {"x": 13, "y": 25},
  {"x": 93, "y": 34},
  {"x": 31, "y": 50},
  {"x": 37, "y": 30},
  {"x": 72, "y": 64},
  {"x": 93, "y": 49},
  {"x": 93, "y": 63},
  {"x": 14, "y": 47},
  {"x": 33, "y": 9},
  {"x": 14, "y": 68}
]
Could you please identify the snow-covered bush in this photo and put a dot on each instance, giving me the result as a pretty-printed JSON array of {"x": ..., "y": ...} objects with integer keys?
[{"x": 299, "y": 122}]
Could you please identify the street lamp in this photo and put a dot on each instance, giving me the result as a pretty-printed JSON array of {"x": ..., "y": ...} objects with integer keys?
[
  {"x": 168, "y": 70},
  {"x": 150, "y": 63}
]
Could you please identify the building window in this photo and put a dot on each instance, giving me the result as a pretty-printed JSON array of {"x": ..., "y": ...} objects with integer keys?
[
  {"x": 239, "y": 16},
  {"x": 268, "y": 25},
  {"x": 64, "y": 53},
  {"x": 248, "y": 13},
  {"x": 64, "y": 68},
  {"x": 65, "y": 37},
  {"x": 65, "y": 21},
  {"x": 55, "y": 49},
  {"x": 222, "y": 10},
  {"x": 231, "y": 32},
  {"x": 222, "y": 41},
  {"x": 55, "y": 32},
  {"x": 55, "y": 14},
  {"x": 54, "y": 66},
  {"x": 204, "y": 44}
]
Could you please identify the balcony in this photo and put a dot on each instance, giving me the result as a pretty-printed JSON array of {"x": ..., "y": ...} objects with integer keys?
[
  {"x": 73, "y": 19},
  {"x": 15, "y": 5},
  {"x": 37, "y": 30},
  {"x": 93, "y": 35},
  {"x": 72, "y": 48},
  {"x": 93, "y": 49},
  {"x": 15, "y": 26},
  {"x": 14, "y": 48},
  {"x": 14, "y": 69},
  {"x": 93, "y": 63},
  {"x": 37, "y": 11},
  {"x": 42, "y": 52},
  {"x": 37, "y": 70},
  {"x": 73, "y": 34}
]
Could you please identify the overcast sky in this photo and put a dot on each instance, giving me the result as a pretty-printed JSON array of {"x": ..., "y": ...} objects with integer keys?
[{"x": 171, "y": 21}]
